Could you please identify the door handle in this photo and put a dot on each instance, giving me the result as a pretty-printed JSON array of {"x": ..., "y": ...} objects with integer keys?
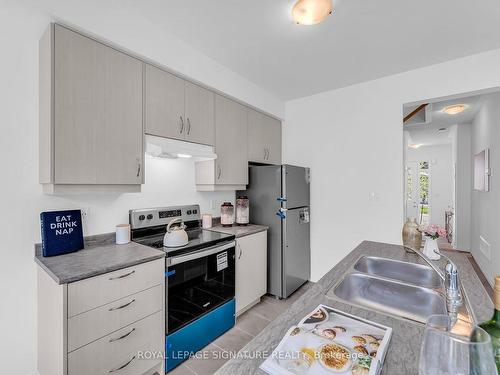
[
  {"x": 122, "y": 276},
  {"x": 241, "y": 251},
  {"x": 138, "y": 169},
  {"x": 122, "y": 337},
  {"x": 122, "y": 367},
  {"x": 219, "y": 172},
  {"x": 188, "y": 126},
  {"x": 122, "y": 306},
  {"x": 182, "y": 125}
]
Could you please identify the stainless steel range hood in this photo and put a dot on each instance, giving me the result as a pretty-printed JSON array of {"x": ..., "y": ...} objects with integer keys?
[{"x": 173, "y": 148}]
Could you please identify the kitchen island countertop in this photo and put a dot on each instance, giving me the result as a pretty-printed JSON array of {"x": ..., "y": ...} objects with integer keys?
[
  {"x": 100, "y": 255},
  {"x": 403, "y": 352}
]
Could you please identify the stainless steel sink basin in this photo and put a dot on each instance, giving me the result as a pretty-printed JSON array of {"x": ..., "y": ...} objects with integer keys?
[
  {"x": 417, "y": 274},
  {"x": 404, "y": 300}
]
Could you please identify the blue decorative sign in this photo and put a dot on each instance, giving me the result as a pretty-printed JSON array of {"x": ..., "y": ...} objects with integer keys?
[{"x": 62, "y": 232}]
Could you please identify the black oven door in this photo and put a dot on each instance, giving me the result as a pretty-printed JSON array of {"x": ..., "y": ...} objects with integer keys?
[{"x": 197, "y": 283}]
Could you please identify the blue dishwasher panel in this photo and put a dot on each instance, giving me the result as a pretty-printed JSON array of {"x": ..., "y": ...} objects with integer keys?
[{"x": 198, "y": 334}]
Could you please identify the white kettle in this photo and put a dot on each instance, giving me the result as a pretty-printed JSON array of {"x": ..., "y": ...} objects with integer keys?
[{"x": 176, "y": 236}]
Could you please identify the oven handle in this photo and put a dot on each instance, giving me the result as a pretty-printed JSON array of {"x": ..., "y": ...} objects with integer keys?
[{"x": 199, "y": 254}]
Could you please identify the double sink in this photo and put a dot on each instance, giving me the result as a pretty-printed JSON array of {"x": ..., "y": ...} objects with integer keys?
[{"x": 403, "y": 289}]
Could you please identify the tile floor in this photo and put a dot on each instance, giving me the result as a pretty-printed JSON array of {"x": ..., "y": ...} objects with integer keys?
[{"x": 247, "y": 327}]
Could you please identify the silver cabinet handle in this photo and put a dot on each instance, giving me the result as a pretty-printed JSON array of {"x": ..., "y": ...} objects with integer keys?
[
  {"x": 241, "y": 251},
  {"x": 265, "y": 153},
  {"x": 268, "y": 152},
  {"x": 182, "y": 125},
  {"x": 122, "y": 276},
  {"x": 122, "y": 367},
  {"x": 219, "y": 172},
  {"x": 138, "y": 169},
  {"x": 122, "y": 337},
  {"x": 122, "y": 306},
  {"x": 189, "y": 126}
]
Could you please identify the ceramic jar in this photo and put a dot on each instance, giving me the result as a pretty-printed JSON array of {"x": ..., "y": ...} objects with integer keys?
[
  {"x": 242, "y": 210},
  {"x": 412, "y": 237},
  {"x": 227, "y": 214}
]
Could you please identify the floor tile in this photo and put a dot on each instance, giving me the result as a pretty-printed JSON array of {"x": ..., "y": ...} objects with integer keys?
[
  {"x": 207, "y": 361},
  {"x": 268, "y": 310},
  {"x": 233, "y": 340},
  {"x": 181, "y": 370},
  {"x": 251, "y": 323}
]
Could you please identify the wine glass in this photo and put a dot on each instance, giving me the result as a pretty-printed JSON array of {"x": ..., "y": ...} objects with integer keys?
[{"x": 445, "y": 353}]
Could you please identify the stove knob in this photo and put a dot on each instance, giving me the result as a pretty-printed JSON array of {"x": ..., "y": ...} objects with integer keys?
[
  {"x": 150, "y": 216},
  {"x": 195, "y": 212},
  {"x": 142, "y": 217},
  {"x": 188, "y": 212}
]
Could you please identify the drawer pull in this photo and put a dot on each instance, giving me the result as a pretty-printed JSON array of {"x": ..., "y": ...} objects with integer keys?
[
  {"x": 122, "y": 367},
  {"x": 122, "y": 306},
  {"x": 122, "y": 276},
  {"x": 122, "y": 337}
]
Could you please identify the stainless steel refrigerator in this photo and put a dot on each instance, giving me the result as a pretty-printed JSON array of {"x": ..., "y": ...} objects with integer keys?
[{"x": 279, "y": 198}]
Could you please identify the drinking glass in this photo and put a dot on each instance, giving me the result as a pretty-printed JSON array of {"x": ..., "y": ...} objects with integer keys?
[{"x": 445, "y": 353}]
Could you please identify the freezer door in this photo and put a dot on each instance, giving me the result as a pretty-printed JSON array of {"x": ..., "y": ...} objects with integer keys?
[
  {"x": 295, "y": 186},
  {"x": 263, "y": 191},
  {"x": 296, "y": 249}
]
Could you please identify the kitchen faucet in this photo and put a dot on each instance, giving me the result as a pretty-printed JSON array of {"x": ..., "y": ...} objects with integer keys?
[{"x": 450, "y": 278}]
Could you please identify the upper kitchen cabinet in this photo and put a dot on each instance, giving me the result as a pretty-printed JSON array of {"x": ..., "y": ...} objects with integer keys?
[
  {"x": 199, "y": 111},
  {"x": 91, "y": 132},
  {"x": 164, "y": 104},
  {"x": 264, "y": 138},
  {"x": 178, "y": 109},
  {"x": 230, "y": 170}
]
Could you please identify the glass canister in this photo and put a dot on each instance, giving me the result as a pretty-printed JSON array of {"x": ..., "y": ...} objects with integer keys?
[
  {"x": 227, "y": 214},
  {"x": 242, "y": 210}
]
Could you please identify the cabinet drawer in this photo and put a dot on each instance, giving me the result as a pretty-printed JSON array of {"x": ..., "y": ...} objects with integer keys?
[
  {"x": 97, "y": 291},
  {"x": 96, "y": 323},
  {"x": 117, "y": 349}
]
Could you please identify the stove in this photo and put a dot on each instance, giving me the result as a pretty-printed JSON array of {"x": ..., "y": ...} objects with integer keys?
[
  {"x": 150, "y": 225},
  {"x": 199, "y": 279}
]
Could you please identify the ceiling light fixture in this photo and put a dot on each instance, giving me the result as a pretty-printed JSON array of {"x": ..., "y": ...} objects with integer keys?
[
  {"x": 311, "y": 12},
  {"x": 416, "y": 146},
  {"x": 454, "y": 109}
]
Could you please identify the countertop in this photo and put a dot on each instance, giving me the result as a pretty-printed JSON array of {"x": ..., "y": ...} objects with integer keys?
[
  {"x": 403, "y": 352},
  {"x": 239, "y": 230},
  {"x": 100, "y": 255}
]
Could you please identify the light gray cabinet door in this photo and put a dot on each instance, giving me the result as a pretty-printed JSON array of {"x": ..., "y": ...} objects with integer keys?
[
  {"x": 264, "y": 138},
  {"x": 200, "y": 127},
  {"x": 97, "y": 112},
  {"x": 231, "y": 166},
  {"x": 273, "y": 136},
  {"x": 164, "y": 104}
]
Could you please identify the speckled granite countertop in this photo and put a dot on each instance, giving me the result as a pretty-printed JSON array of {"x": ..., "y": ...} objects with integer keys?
[
  {"x": 101, "y": 255},
  {"x": 403, "y": 352},
  {"x": 239, "y": 231}
]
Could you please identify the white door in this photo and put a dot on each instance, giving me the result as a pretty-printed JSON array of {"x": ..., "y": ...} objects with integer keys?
[{"x": 412, "y": 190}]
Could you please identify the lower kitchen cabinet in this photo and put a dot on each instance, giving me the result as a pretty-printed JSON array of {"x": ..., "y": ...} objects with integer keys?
[
  {"x": 251, "y": 270},
  {"x": 103, "y": 324}
]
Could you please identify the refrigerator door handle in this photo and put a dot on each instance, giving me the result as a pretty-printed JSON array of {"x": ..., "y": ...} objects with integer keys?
[{"x": 281, "y": 199}]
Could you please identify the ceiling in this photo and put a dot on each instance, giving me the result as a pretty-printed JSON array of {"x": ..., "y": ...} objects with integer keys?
[
  {"x": 430, "y": 134},
  {"x": 361, "y": 41}
]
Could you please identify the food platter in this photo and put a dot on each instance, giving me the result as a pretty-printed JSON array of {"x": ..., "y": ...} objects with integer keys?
[{"x": 329, "y": 341}]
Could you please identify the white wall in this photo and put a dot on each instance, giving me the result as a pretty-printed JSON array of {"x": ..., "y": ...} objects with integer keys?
[
  {"x": 352, "y": 140},
  {"x": 441, "y": 178},
  {"x": 486, "y": 205},
  {"x": 167, "y": 182}
]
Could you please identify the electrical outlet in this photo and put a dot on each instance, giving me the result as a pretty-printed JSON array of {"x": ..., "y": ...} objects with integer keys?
[
  {"x": 85, "y": 215},
  {"x": 485, "y": 247}
]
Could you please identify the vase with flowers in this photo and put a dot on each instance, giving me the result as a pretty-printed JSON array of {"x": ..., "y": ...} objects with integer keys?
[{"x": 432, "y": 232}]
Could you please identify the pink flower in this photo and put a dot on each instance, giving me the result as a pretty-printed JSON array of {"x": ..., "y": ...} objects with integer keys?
[
  {"x": 442, "y": 232},
  {"x": 432, "y": 229}
]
